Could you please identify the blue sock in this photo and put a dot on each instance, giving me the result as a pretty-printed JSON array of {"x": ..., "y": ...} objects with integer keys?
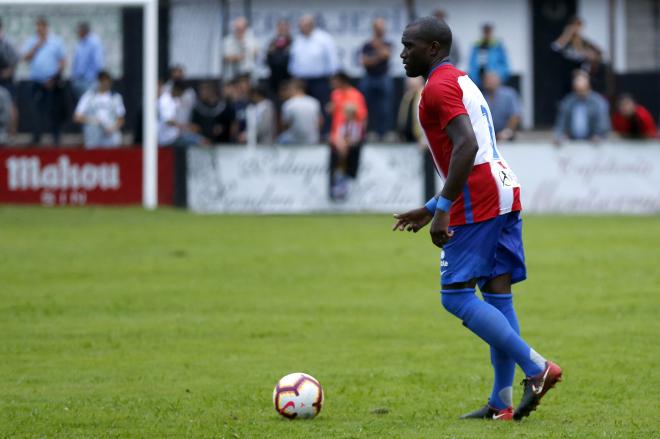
[
  {"x": 492, "y": 327},
  {"x": 503, "y": 365}
]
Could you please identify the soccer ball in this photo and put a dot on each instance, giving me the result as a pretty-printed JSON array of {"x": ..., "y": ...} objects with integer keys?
[{"x": 298, "y": 396}]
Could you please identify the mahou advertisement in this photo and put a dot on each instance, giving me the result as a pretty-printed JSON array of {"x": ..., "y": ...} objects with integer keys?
[{"x": 80, "y": 177}]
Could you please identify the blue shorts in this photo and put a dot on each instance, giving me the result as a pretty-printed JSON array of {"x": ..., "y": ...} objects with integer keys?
[{"x": 484, "y": 251}]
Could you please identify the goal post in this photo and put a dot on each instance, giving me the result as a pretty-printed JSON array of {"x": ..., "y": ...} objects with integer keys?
[{"x": 150, "y": 84}]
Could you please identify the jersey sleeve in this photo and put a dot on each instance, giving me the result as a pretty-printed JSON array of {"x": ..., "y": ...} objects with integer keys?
[{"x": 445, "y": 99}]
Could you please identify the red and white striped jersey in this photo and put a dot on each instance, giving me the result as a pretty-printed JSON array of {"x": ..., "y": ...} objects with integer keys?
[{"x": 492, "y": 188}]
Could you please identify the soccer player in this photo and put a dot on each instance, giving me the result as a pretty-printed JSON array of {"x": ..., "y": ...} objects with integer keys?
[{"x": 475, "y": 219}]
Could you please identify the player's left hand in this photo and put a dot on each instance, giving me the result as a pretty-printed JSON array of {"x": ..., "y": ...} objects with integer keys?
[
  {"x": 440, "y": 232},
  {"x": 413, "y": 220}
]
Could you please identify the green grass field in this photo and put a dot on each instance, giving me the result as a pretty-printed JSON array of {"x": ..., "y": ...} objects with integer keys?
[{"x": 125, "y": 323}]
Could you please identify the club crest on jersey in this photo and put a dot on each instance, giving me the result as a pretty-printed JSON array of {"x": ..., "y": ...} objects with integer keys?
[{"x": 508, "y": 178}]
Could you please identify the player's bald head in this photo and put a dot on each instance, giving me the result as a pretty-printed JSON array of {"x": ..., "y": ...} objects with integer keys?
[{"x": 431, "y": 29}]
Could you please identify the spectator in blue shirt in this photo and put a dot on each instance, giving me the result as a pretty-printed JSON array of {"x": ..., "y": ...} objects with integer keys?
[
  {"x": 488, "y": 54},
  {"x": 87, "y": 60},
  {"x": 314, "y": 59},
  {"x": 583, "y": 114},
  {"x": 45, "y": 53},
  {"x": 504, "y": 104}
]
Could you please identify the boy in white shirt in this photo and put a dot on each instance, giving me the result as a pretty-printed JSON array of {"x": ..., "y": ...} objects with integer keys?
[{"x": 101, "y": 112}]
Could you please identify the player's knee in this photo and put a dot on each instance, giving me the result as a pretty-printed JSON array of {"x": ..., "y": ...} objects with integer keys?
[
  {"x": 454, "y": 302},
  {"x": 448, "y": 303}
]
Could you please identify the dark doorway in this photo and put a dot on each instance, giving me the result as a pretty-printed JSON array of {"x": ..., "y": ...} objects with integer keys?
[{"x": 552, "y": 74}]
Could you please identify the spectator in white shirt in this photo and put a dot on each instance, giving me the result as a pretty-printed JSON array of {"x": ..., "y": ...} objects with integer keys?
[
  {"x": 314, "y": 59},
  {"x": 239, "y": 51},
  {"x": 101, "y": 111},
  {"x": 301, "y": 115},
  {"x": 170, "y": 131},
  {"x": 262, "y": 113},
  {"x": 188, "y": 98}
]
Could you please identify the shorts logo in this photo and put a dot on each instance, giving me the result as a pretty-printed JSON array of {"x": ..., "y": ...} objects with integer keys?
[{"x": 443, "y": 262}]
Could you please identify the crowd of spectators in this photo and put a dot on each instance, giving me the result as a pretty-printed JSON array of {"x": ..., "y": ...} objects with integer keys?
[
  {"x": 98, "y": 109},
  {"x": 307, "y": 99},
  {"x": 584, "y": 113}
]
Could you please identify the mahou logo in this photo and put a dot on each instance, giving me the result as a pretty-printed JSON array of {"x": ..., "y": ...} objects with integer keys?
[{"x": 26, "y": 173}]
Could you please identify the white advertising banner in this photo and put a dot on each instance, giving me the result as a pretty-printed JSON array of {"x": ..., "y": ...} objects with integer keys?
[
  {"x": 619, "y": 178},
  {"x": 616, "y": 178},
  {"x": 296, "y": 180}
]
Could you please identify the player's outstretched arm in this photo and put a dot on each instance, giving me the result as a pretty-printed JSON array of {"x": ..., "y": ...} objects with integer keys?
[{"x": 464, "y": 151}]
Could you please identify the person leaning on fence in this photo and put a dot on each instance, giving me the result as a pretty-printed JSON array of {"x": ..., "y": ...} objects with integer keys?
[
  {"x": 349, "y": 123},
  {"x": 101, "y": 112},
  {"x": 583, "y": 114},
  {"x": 238, "y": 92},
  {"x": 213, "y": 117},
  {"x": 301, "y": 119},
  {"x": 633, "y": 121},
  {"x": 188, "y": 98},
  {"x": 171, "y": 132}
]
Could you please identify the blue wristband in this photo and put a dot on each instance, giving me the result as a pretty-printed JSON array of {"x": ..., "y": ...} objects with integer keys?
[
  {"x": 431, "y": 205},
  {"x": 443, "y": 204},
  {"x": 440, "y": 203}
]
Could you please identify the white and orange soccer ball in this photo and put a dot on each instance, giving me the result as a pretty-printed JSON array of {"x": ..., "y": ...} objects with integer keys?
[{"x": 298, "y": 396}]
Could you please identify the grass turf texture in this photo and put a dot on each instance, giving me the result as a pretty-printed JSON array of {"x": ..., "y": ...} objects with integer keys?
[{"x": 125, "y": 323}]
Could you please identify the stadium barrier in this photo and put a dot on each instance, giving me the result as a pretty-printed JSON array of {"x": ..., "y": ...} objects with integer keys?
[
  {"x": 81, "y": 177},
  {"x": 295, "y": 180},
  {"x": 611, "y": 178}
]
